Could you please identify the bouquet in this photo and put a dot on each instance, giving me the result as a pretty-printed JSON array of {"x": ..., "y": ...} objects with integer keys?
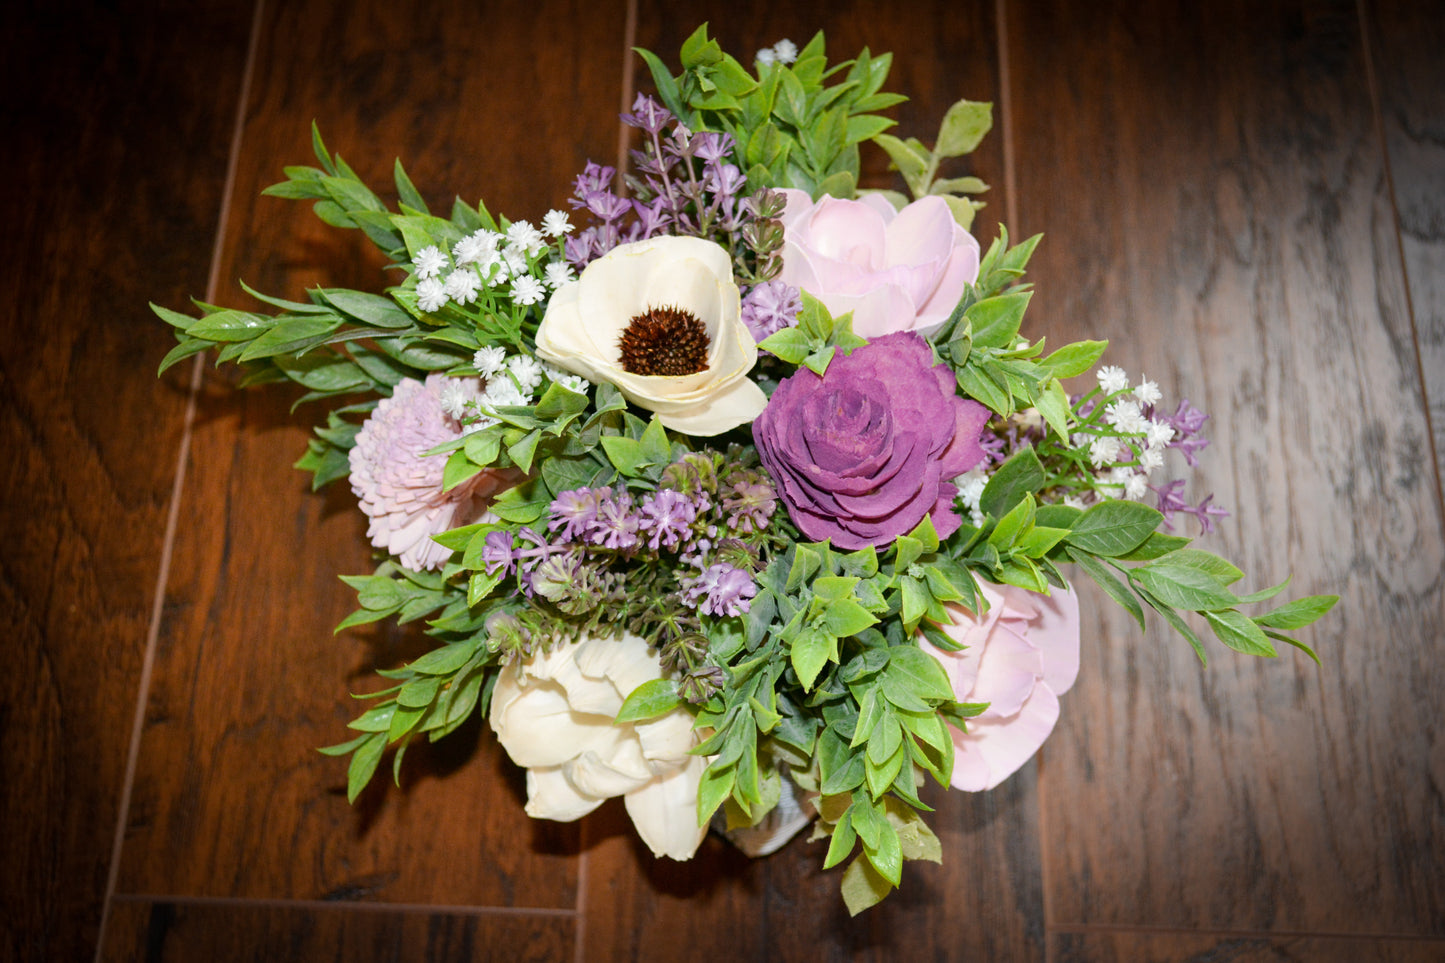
[{"x": 735, "y": 490}]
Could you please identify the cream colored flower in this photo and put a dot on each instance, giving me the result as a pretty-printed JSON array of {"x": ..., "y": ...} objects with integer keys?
[
  {"x": 623, "y": 292},
  {"x": 553, "y": 714}
]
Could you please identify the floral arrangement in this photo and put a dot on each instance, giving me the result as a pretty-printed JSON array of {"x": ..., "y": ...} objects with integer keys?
[{"x": 736, "y": 491}]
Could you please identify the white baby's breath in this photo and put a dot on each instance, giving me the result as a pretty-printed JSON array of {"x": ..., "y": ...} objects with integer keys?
[
  {"x": 555, "y": 223},
  {"x": 429, "y": 262},
  {"x": 528, "y": 290},
  {"x": 462, "y": 285},
  {"x": 1112, "y": 379},
  {"x": 430, "y": 294},
  {"x": 489, "y": 360}
]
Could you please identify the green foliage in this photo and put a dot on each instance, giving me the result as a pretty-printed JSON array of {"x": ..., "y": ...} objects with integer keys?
[
  {"x": 964, "y": 125},
  {"x": 792, "y": 128}
]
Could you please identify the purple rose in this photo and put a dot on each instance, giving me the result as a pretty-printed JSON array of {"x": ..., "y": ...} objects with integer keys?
[{"x": 862, "y": 454}]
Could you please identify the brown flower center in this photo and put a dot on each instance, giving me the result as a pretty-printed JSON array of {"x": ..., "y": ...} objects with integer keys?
[{"x": 664, "y": 341}]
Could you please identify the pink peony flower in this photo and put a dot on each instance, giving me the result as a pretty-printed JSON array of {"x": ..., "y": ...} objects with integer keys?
[
  {"x": 895, "y": 270},
  {"x": 400, "y": 490},
  {"x": 1020, "y": 657}
]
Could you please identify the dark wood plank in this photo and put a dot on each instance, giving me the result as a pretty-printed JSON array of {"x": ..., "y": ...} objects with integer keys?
[
  {"x": 239, "y": 932},
  {"x": 231, "y": 798},
  {"x": 986, "y": 901},
  {"x": 1406, "y": 40},
  {"x": 118, "y": 120},
  {"x": 1214, "y": 187},
  {"x": 1144, "y": 947}
]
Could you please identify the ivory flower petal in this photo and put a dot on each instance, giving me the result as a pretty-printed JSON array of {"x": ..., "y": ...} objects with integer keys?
[
  {"x": 554, "y": 714},
  {"x": 585, "y": 319}
]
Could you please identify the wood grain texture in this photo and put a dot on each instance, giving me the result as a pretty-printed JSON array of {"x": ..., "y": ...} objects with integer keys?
[
  {"x": 231, "y": 797},
  {"x": 986, "y": 901},
  {"x": 118, "y": 131},
  {"x": 144, "y": 931},
  {"x": 1143, "y": 947},
  {"x": 1217, "y": 206},
  {"x": 1406, "y": 40}
]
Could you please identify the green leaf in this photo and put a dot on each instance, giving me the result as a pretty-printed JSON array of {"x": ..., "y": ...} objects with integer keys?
[
  {"x": 790, "y": 344},
  {"x": 229, "y": 326},
  {"x": 446, "y": 660},
  {"x": 919, "y": 672},
  {"x": 845, "y": 617},
  {"x": 1235, "y": 630},
  {"x": 406, "y": 191},
  {"x": 1183, "y": 587},
  {"x": 1110, "y": 583},
  {"x": 363, "y": 765},
  {"x": 958, "y": 185},
  {"x": 863, "y": 886},
  {"x": 715, "y": 786},
  {"x": 912, "y": 162},
  {"x": 809, "y": 653},
  {"x": 1022, "y": 474},
  {"x": 1072, "y": 360},
  {"x": 996, "y": 320},
  {"x": 369, "y": 308},
  {"x": 1053, "y": 404},
  {"x": 1178, "y": 624},
  {"x": 1287, "y": 640},
  {"x": 1012, "y": 524},
  {"x": 842, "y": 842},
  {"x": 983, "y": 389},
  {"x": 1299, "y": 613},
  {"x": 964, "y": 127},
  {"x": 1220, "y": 568},
  {"x": 649, "y": 700},
  {"x": 1113, "y": 528},
  {"x": 1157, "y": 545}
]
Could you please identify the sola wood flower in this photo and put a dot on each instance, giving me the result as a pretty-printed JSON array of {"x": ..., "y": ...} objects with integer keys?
[
  {"x": 401, "y": 489},
  {"x": 1019, "y": 657},
  {"x": 861, "y": 454},
  {"x": 661, "y": 320},
  {"x": 895, "y": 270},
  {"x": 553, "y": 714}
]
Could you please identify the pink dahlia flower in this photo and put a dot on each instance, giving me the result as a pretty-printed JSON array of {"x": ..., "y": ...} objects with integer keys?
[
  {"x": 1020, "y": 657},
  {"x": 401, "y": 489},
  {"x": 895, "y": 270}
]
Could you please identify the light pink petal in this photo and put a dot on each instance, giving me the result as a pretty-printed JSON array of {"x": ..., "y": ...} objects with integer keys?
[
  {"x": 1057, "y": 638},
  {"x": 922, "y": 233},
  {"x": 1007, "y": 672},
  {"x": 993, "y": 750},
  {"x": 881, "y": 311},
  {"x": 847, "y": 231},
  {"x": 960, "y": 271}
]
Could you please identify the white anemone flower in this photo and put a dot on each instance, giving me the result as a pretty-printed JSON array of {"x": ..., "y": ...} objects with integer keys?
[
  {"x": 586, "y": 320},
  {"x": 554, "y": 715}
]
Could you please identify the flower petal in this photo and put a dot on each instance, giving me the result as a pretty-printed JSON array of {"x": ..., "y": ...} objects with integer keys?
[
  {"x": 665, "y": 811},
  {"x": 551, "y": 796}
]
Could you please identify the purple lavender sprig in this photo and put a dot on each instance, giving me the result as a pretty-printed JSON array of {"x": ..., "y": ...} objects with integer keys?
[{"x": 685, "y": 183}]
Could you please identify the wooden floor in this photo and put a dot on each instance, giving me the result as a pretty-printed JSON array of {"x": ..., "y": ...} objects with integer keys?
[{"x": 1248, "y": 198}]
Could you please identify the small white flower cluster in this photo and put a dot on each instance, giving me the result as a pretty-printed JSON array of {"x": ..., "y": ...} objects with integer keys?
[
  {"x": 782, "y": 52},
  {"x": 507, "y": 380},
  {"x": 492, "y": 259},
  {"x": 970, "y": 492},
  {"x": 1126, "y": 464}
]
